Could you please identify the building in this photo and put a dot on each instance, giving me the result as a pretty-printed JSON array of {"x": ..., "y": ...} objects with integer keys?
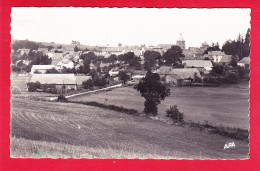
[
  {"x": 178, "y": 76},
  {"x": 61, "y": 82},
  {"x": 226, "y": 59},
  {"x": 181, "y": 42},
  {"x": 41, "y": 69},
  {"x": 199, "y": 64},
  {"x": 65, "y": 63},
  {"x": 216, "y": 56},
  {"x": 245, "y": 62}
]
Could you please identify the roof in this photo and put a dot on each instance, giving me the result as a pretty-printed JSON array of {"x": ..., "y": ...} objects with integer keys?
[
  {"x": 23, "y": 49},
  {"x": 81, "y": 78},
  {"x": 43, "y": 66},
  {"x": 113, "y": 49},
  {"x": 215, "y": 53},
  {"x": 163, "y": 70},
  {"x": 245, "y": 60},
  {"x": 54, "y": 78},
  {"x": 185, "y": 73},
  {"x": 102, "y": 65},
  {"x": 57, "y": 56},
  {"x": 197, "y": 63},
  {"x": 226, "y": 59},
  {"x": 138, "y": 76},
  {"x": 66, "y": 61}
]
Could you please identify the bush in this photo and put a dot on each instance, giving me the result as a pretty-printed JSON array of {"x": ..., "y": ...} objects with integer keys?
[
  {"x": 174, "y": 114},
  {"x": 62, "y": 98},
  {"x": 33, "y": 86},
  {"x": 88, "y": 84},
  {"x": 99, "y": 82}
]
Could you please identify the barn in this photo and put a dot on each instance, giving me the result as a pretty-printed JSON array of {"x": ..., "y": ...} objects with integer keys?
[{"x": 59, "y": 82}]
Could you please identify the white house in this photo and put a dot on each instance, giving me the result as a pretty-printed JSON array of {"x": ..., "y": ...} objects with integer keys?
[
  {"x": 41, "y": 69},
  {"x": 65, "y": 63},
  {"x": 113, "y": 72}
]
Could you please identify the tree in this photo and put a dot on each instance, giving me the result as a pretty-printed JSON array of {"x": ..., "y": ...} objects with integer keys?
[
  {"x": 173, "y": 56},
  {"x": 52, "y": 71},
  {"x": 239, "y": 47},
  {"x": 88, "y": 84},
  {"x": 33, "y": 86},
  {"x": 112, "y": 58},
  {"x": 217, "y": 69},
  {"x": 59, "y": 47},
  {"x": 213, "y": 47},
  {"x": 233, "y": 61},
  {"x": 123, "y": 76},
  {"x": 50, "y": 47},
  {"x": 153, "y": 91},
  {"x": 151, "y": 58},
  {"x": 20, "y": 44},
  {"x": 20, "y": 64},
  {"x": 246, "y": 48},
  {"x": 76, "y": 49}
]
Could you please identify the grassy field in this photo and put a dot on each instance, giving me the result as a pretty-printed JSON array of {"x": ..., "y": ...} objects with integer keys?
[
  {"x": 52, "y": 129},
  {"x": 227, "y": 106}
]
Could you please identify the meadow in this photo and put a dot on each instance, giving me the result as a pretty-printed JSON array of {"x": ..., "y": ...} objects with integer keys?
[{"x": 223, "y": 105}]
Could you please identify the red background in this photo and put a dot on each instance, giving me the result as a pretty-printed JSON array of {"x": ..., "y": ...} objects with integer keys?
[{"x": 6, "y": 163}]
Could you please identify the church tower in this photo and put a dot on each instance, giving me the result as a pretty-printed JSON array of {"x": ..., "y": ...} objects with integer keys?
[{"x": 181, "y": 42}]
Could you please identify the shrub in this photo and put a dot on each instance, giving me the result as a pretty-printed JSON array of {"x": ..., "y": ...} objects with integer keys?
[
  {"x": 62, "y": 98},
  {"x": 174, "y": 114},
  {"x": 16, "y": 90},
  {"x": 33, "y": 86},
  {"x": 88, "y": 84},
  {"x": 99, "y": 82}
]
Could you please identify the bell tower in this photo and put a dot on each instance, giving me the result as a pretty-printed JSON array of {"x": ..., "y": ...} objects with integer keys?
[{"x": 181, "y": 42}]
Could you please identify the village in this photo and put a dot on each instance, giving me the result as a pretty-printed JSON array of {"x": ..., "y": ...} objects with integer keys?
[
  {"x": 130, "y": 83},
  {"x": 73, "y": 67}
]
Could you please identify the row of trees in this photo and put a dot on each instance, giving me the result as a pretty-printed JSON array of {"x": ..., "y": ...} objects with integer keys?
[
  {"x": 172, "y": 57},
  {"x": 26, "y": 44},
  {"x": 34, "y": 58},
  {"x": 239, "y": 47}
]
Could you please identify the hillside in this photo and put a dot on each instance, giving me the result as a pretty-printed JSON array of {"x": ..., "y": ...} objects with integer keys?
[{"x": 47, "y": 129}]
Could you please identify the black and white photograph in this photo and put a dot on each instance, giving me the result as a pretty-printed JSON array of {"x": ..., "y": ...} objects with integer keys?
[{"x": 130, "y": 83}]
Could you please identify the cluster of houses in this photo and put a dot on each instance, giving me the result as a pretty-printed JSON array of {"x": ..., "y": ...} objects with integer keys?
[{"x": 195, "y": 63}]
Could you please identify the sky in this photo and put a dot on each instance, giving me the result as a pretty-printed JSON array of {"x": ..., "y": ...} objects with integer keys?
[{"x": 128, "y": 26}]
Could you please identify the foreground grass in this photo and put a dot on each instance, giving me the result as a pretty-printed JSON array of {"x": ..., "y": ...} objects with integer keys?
[
  {"x": 47, "y": 126},
  {"x": 23, "y": 148}
]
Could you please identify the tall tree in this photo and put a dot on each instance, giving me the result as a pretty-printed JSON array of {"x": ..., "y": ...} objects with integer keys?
[
  {"x": 151, "y": 58},
  {"x": 153, "y": 91},
  {"x": 173, "y": 56},
  {"x": 239, "y": 47}
]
